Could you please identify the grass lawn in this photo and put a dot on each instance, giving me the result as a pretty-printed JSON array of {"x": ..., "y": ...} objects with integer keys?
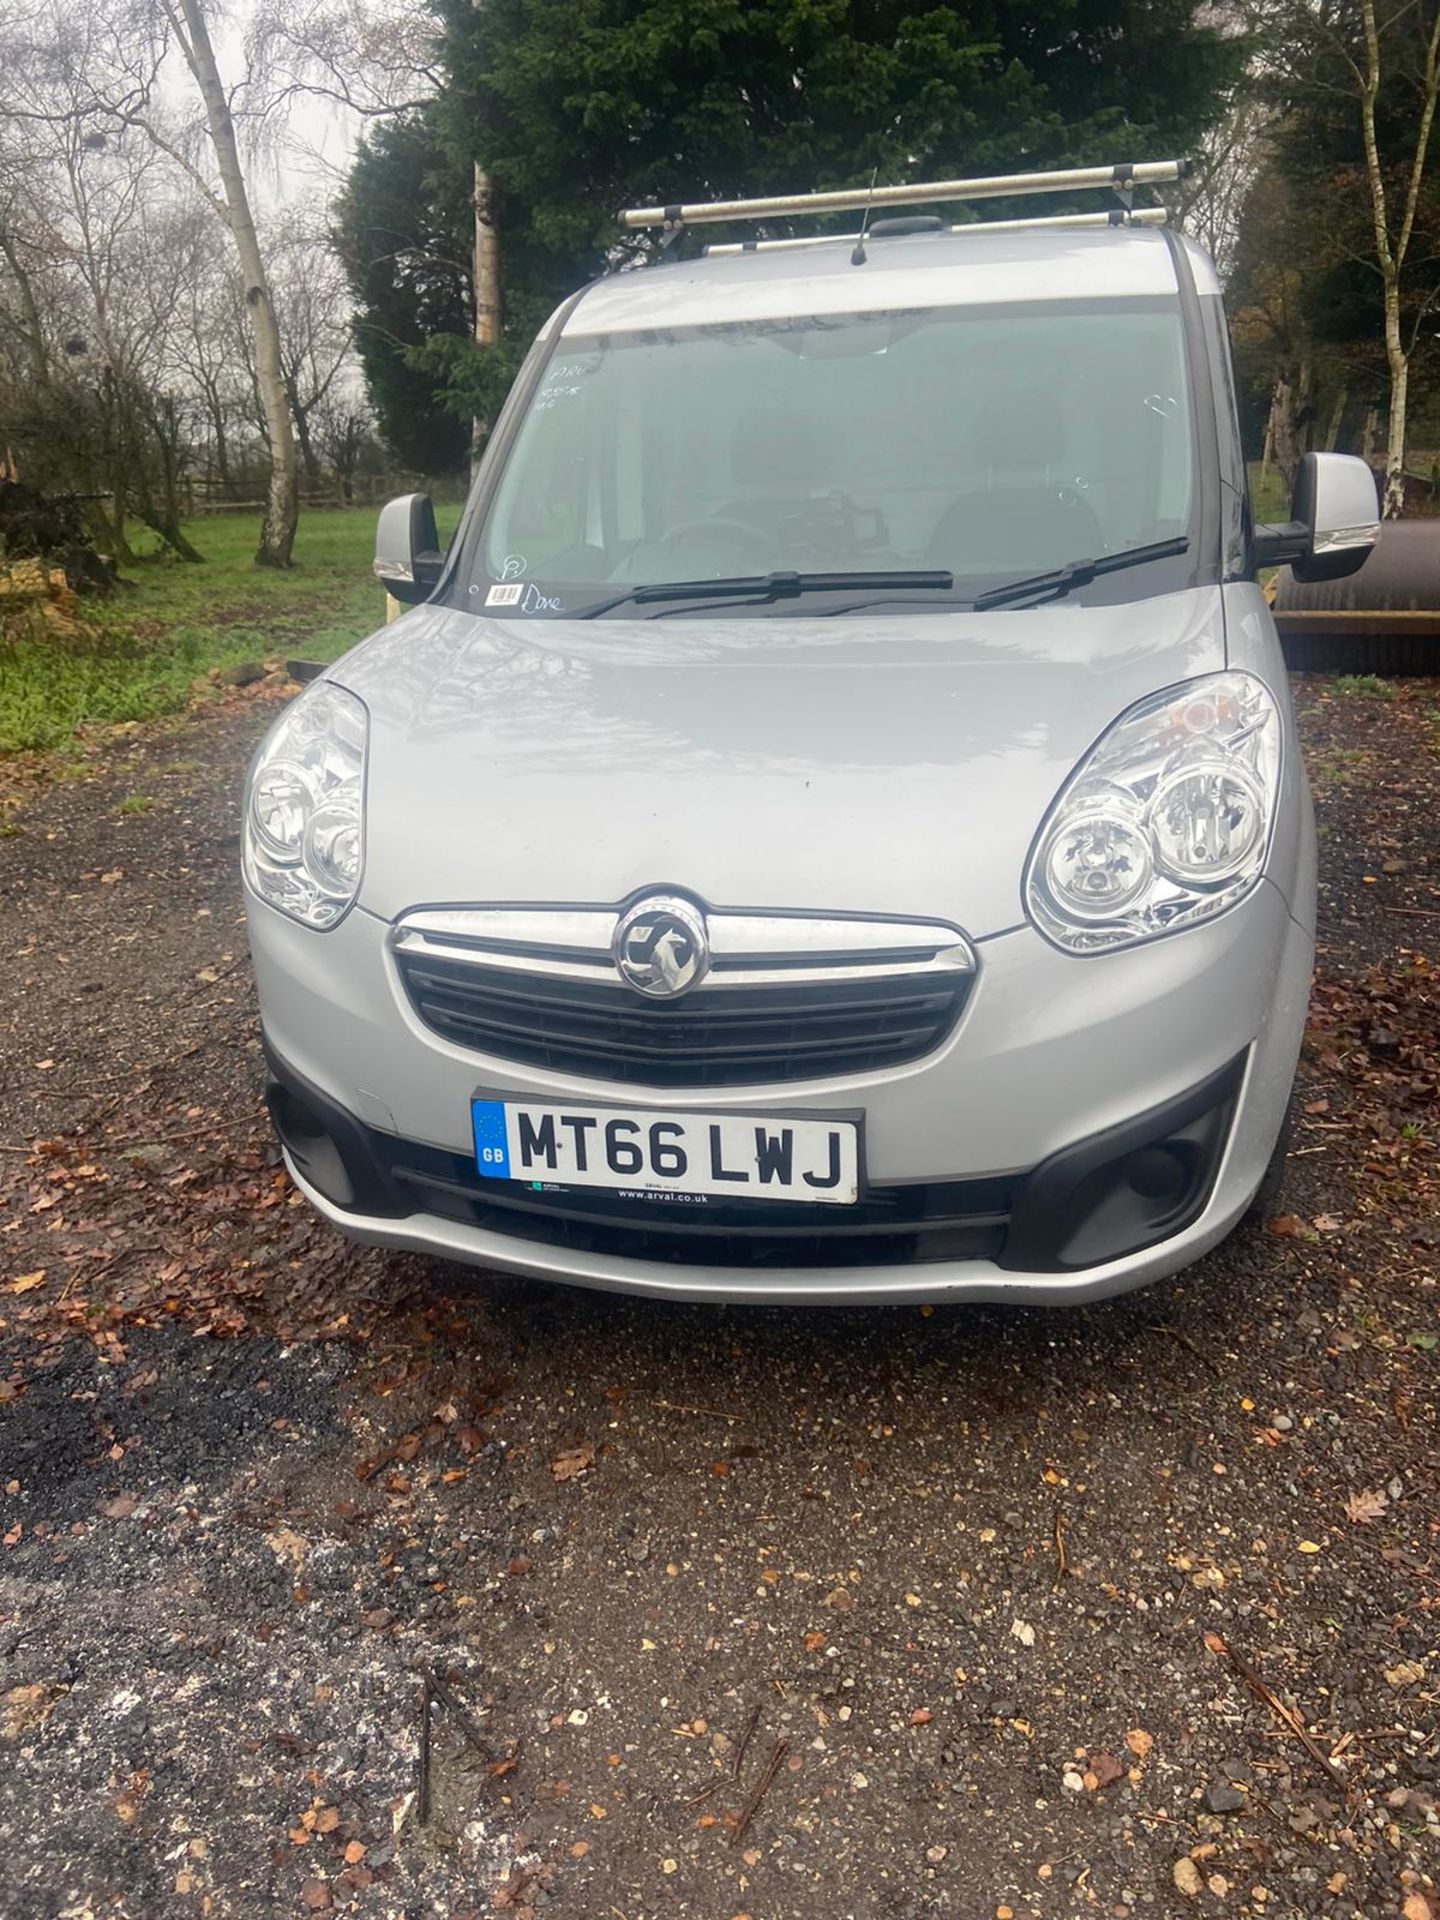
[
  {"x": 1270, "y": 497},
  {"x": 172, "y": 622}
]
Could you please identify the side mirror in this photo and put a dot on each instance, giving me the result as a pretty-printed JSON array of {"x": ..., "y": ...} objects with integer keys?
[
  {"x": 1336, "y": 520},
  {"x": 408, "y": 560}
]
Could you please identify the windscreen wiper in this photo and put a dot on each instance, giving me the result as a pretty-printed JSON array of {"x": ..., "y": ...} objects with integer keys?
[
  {"x": 763, "y": 587},
  {"x": 1079, "y": 573}
]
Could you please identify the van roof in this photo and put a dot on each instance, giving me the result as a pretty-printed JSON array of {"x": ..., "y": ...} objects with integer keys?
[{"x": 902, "y": 272}]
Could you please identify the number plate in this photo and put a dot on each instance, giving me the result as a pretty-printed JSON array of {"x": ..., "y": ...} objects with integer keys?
[{"x": 730, "y": 1156}]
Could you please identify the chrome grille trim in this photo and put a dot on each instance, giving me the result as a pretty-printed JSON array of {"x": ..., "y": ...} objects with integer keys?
[{"x": 746, "y": 949}]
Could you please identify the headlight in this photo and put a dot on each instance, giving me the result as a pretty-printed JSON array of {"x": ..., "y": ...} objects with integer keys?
[
  {"x": 305, "y": 807},
  {"x": 1165, "y": 822}
]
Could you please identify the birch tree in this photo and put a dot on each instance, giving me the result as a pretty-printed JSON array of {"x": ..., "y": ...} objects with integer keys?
[
  {"x": 117, "y": 61},
  {"x": 232, "y": 204},
  {"x": 1395, "y": 225},
  {"x": 1358, "y": 81}
]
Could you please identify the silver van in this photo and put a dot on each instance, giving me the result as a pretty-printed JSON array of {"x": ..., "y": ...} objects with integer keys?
[{"x": 831, "y": 827}]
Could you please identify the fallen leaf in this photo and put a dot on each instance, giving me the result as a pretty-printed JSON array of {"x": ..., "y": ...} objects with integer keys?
[
  {"x": 27, "y": 1282},
  {"x": 1363, "y": 1507},
  {"x": 327, "y": 1819},
  {"x": 354, "y": 1852},
  {"x": 1310, "y": 1546},
  {"x": 1139, "y": 1743},
  {"x": 378, "y": 1618},
  {"x": 921, "y": 1717},
  {"x": 316, "y": 1895},
  {"x": 1104, "y": 1770},
  {"x": 572, "y": 1460},
  {"x": 1284, "y": 1226},
  {"x": 813, "y": 1641},
  {"x": 121, "y": 1507}
]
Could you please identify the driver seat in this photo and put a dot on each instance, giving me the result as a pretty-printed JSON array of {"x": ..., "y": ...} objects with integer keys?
[{"x": 1027, "y": 516}]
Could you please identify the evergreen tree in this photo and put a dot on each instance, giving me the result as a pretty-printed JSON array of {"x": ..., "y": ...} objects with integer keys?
[
  {"x": 402, "y": 230},
  {"x": 574, "y": 108}
]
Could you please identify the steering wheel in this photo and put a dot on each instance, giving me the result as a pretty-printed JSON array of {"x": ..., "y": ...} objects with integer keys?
[{"x": 735, "y": 534}]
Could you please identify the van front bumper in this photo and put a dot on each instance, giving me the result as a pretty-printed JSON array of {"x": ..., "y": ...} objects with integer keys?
[{"x": 1091, "y": 1125}]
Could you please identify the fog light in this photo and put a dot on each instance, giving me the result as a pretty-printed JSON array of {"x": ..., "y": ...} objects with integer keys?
[
  {"x": 1156, "y": 1173},
  {"x": 1126, "y": 1188}
]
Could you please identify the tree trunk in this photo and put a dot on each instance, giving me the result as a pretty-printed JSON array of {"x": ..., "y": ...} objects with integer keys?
[
  {"x": 1398, "y": 361},
  {"x": 1286, "y": 430},
  {"x": 1390, "y": 252},
  {"x": 32, "y": 332},
  {"x": 282, "y": 507},
  {"x": 1267, "y": 452},
  {"x": 1367, "y": 436},
  {"x": 161, "y": 521},
  {"x": 487, "y": 294},
  {"x": 215, "y": 407},
  {"x": 1337, "y": 419},
  {"x": 108, "y": 533},
  {"x": 308, "y": 454}
]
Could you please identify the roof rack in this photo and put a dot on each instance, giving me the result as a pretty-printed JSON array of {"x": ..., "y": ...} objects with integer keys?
[
  {"x": 1122, "y": 178},
  {"x": 1117, "y": 217}
]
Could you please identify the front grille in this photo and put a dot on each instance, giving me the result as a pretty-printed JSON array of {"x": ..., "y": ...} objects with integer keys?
[
  {"x": 723, "y": 1037},
  {"x": 942, "y": 1220},
  {"x": 786, "y": 997}
]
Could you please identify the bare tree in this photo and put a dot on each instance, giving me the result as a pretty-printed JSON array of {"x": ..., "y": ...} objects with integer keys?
[
  {"x": 211, "y": 347},
  {"x": 1394, "y": 228},
  {"x": 282, "y": 506},
  {"x": 95, "y": 252},
  {"x": 344, "y": 434},
  {"x": 373, "y": 58},
  {"x": 1383, "y": 58},
  {"x": 1220, "y": 182},
  {"x": 112, "y": 56},
  {"x": 312, "y": 303}
]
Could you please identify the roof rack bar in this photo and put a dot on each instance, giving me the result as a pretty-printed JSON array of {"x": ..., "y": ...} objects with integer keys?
[
  {"x": 1141, "y": 217},
  {"x": 853, "y": 199}
]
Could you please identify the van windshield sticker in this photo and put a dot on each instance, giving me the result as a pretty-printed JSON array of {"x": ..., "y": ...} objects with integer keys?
[{"x": 524, "y": 595}]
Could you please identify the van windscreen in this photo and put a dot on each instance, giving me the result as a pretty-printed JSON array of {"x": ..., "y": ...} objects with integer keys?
[{"x": 986, "y": 442}]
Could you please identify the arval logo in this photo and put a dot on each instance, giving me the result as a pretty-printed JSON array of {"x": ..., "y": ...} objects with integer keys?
[{"x": 661, "y": 947}]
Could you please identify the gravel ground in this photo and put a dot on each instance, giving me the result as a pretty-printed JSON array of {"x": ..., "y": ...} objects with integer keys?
[{"x": 962, "y": 1612}]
